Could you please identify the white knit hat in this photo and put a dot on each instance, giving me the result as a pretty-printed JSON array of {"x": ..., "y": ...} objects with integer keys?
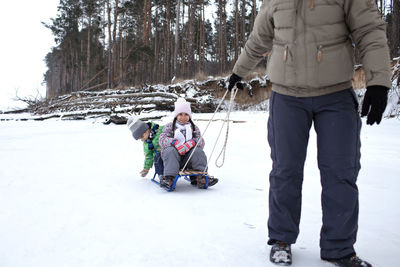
[{"x": 181, "y": 106}]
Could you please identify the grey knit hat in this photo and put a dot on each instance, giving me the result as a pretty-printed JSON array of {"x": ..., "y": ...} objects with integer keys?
[{"x": 137, "y": 127}]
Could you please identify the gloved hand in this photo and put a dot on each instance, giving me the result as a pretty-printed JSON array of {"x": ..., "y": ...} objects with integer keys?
[
  {"x": 144, "y": 172},
  {"x": 235, "y": 79},
  {"x": 182, "y": 149},
  {"x": 374, "y": 103},
  {"x": 189, "y": 144}
]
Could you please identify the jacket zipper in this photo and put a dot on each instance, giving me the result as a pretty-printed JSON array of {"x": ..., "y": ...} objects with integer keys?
[
  {"x": 320, "y": 47},
  {"x": 319, "y": 53},
  {"x": 285, "y": 53}
]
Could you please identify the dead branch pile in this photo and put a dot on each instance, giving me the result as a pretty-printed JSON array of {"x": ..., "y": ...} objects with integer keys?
[
  {"x": 117, "y": 104},
  {"x": 131, "y": 101}
]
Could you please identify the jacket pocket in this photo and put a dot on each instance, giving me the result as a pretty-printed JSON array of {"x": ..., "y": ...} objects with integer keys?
[
  {"x": 280, "y": 62},
  {"x": 334, "y": 63}
]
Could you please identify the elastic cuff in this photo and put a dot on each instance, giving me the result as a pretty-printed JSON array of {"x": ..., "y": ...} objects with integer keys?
[
  {"x": 345, "y": 257},
  {"x": 274, "y": 241}
]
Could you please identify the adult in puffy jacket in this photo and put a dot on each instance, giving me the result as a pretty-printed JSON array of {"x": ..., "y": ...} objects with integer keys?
[{"x": 310, "y": 64}]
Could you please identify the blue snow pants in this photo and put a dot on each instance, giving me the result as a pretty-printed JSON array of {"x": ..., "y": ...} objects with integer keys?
[
  {"x": 337, "y": 124},
  {"x": 158, "y": 163}
]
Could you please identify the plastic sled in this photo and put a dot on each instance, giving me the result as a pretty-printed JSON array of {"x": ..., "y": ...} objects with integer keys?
[{"x": 186, "y": 175}]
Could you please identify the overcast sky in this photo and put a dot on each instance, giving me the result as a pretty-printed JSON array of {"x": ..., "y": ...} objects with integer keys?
[{"x": 24, "y": 45}]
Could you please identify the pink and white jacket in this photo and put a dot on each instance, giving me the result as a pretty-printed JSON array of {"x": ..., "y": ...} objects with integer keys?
[{"x": 167, "y": 136}]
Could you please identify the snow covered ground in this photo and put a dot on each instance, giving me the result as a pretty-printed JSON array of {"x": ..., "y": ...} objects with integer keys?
[{"x": 71, "y": 195}]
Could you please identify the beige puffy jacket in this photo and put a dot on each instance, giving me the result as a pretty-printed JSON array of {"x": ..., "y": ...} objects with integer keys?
[{"x": 310, "y": 45}]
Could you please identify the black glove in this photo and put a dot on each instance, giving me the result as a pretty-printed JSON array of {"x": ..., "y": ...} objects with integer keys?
[
  {"x": 235, "y": 79},
  {"x": 374, "y": 103}
]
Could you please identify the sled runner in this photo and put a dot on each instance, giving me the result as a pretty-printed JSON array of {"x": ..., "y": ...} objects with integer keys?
[{"x": 186, "y": 175}]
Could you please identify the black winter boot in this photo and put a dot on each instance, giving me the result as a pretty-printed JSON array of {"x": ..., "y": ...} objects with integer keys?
[
  {"x": 281, "y": 254},
  {"x": 350, "y": 261}
]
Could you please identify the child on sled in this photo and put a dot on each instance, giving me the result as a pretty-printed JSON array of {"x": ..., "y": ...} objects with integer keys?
[
  {"x": 177, "y": 142},
  {"x": 149, "y": 133}
]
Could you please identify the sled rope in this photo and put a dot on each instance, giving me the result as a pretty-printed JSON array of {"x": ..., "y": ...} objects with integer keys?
[
  {"x": 204, "y": 132},
  {"x": 226, "y": 120}
]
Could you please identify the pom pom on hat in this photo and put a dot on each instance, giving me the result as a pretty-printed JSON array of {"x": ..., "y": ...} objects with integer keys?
[
  {"x": 137, "y": 127},
  {"x": 182, "y": 106}
]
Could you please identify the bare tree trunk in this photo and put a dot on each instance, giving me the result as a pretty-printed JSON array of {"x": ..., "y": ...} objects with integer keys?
[
  {"x": 253, "y": 14},
  {"x": 236, "y": 46},
  {"x": 146, "y": 68},
  {"x": 121, "y": 53},
  {"x": 81, "y": 67},
  {"x": 114, "y": 41},
  {"x": 88, "y": 49},
  {"x": 396, "y": 28},
  {"x": 147, "y": 22},
  {"x": 105, "y": 9},
  {"x": 167, "y": 65},
  {"x": 110, "y": 44},
  {"x": 243, "y": 23},
  {"x": 184, "y": 44},
  {"x": 220, "y": 60},
  {"x": 72, "y": 68},
  {"x": 156, "y": 51},
  {"x": 224, "y": 40},
  {"x": 202, "y": 38},
  {"x": 178, "y": 5},
  {"x": 191, "y": 38}
]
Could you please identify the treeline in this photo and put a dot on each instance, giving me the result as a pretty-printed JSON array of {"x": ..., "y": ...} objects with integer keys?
[
  {"x": 118, "y": 43},
  {"x": 115, "y": 43}
]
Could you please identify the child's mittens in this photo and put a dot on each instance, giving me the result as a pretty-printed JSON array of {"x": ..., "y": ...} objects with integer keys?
[
  {"x": 185, "y": 147},
  {"x": 190, "y": 144},
  {"x": 182, "y": 149},
  {"x": 144, "y": 172}
]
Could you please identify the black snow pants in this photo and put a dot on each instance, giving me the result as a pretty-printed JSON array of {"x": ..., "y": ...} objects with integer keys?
[{"x": 337, "y": 124}]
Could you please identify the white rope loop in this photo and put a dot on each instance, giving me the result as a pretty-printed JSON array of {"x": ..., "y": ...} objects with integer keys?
[{"x": 223, "y": 150}]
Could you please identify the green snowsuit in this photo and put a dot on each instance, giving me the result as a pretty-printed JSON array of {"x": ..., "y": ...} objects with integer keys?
[{"x": 149, "y": 153}]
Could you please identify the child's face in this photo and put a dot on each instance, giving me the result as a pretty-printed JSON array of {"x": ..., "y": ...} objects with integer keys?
[
  {"x": 145, "y": 135},
  {"x": 182, "y": 118}
]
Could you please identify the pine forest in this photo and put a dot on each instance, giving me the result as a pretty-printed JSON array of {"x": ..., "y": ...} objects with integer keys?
[{"x": 120, "y": 43}]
